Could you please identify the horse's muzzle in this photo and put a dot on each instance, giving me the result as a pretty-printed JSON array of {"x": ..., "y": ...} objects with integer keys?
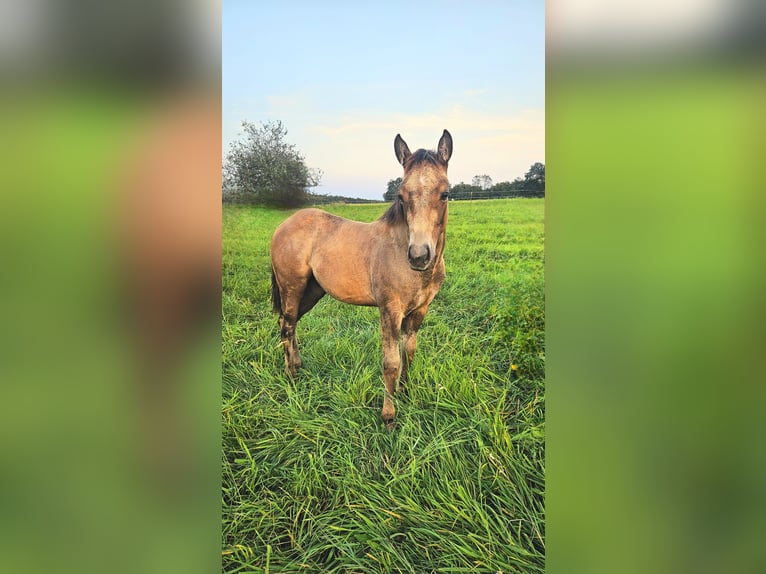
[{"x": 419, "y": 257}]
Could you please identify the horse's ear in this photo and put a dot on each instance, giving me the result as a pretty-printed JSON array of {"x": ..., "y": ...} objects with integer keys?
[
  {"x": 401, "y": 150},
  {"x": 445, "y": 146}
]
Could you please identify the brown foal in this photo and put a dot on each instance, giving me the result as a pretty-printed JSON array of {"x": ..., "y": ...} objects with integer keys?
[{"x": 394, "y": 263}]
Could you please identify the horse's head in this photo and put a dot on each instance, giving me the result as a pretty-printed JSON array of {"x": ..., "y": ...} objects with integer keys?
[{"x": 423, "y": 198}]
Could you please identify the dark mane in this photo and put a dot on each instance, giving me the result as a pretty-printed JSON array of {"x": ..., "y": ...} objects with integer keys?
[
  {"x": 395, "y": 213},
  {"x": 422, "y": 156}
]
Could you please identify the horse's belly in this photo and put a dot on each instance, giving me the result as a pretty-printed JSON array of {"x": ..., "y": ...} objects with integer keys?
[{"x": 350, "y": 286}]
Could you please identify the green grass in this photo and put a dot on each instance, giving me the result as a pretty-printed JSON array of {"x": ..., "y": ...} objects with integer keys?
[{"x": 312, "y": 481}]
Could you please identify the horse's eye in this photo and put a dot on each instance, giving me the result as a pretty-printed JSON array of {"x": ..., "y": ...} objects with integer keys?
[
  {"x": 400, "y": 197},
  {"x": 445, "y": 195}
]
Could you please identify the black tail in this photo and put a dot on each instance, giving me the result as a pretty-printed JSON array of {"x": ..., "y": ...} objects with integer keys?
[{"x": 276, "y": 300}]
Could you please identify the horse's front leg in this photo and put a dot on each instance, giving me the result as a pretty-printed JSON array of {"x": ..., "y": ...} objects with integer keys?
[
  {"x": 390, "y": 325},
  {"x": 410, "y": 327}
]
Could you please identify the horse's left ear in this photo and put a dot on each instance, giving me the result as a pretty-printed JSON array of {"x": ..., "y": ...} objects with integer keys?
[{"x": 445, "y": 146}]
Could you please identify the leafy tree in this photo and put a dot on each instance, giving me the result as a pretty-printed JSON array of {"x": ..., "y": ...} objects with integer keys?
[
  {"x": 517, "y": 183},
  {"x": 268, "y": 169},
  {"x": 482, "y": 181},
  {"x": 504, "y": 189},
  {"x": 531, "y": 185},
  {"x": 502, "y": 186},
  {"x": 392, "y": 189},
  {"x": 534, "y": 179}
]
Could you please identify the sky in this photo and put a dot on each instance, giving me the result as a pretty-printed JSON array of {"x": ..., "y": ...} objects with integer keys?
[{"x": 345, "y": 77}]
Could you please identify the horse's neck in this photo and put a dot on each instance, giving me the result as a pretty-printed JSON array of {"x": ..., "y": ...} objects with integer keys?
[{"x": 400, "y": 230}]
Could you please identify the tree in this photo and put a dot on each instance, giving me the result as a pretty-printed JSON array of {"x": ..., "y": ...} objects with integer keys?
[
  {"x": 534, "y": 179},
  {"x": 267, "y": 169},
  {"x": 502, "y": 186},
  {"x": 517, "y": 184},
  {"x": 392, "y": 189},
  {"x": 482, "y": 181}
]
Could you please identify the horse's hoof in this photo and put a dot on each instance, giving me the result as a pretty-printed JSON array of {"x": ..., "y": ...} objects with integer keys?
[{"x": 390, "y": 425}]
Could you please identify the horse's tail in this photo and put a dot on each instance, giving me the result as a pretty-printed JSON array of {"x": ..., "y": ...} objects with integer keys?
[{"x": 276, "y": 299}]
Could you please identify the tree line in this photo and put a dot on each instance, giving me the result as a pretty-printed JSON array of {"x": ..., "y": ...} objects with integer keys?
[
  {"x": 264, "y": 168},
  {"x": 481, "y": 186}
]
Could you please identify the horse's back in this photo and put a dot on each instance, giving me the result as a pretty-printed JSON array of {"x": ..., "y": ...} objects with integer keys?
[
  {"x": 304, "y": 228},
  {"x": 301, "y": 218}
]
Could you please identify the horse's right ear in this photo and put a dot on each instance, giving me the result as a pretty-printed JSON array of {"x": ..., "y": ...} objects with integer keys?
[{"x": 401, "y": 150}]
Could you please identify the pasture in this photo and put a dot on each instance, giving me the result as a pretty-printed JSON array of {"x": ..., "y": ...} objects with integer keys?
[{"x": 312, "y": 481}]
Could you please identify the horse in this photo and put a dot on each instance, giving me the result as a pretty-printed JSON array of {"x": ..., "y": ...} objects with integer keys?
[{"x": 394, "y": 263}]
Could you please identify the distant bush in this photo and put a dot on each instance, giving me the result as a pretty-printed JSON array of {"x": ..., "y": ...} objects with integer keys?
[{"x": 264, "y": 168}]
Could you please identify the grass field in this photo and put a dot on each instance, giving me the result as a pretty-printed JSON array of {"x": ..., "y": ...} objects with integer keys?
[{"x": 312, "y": 482}]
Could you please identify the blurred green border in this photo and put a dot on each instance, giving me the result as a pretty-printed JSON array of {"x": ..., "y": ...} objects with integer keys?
[{"x": 655, "y": 305}]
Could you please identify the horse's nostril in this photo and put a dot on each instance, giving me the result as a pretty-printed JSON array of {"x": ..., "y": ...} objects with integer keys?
[{"x": 419, "y": 255}]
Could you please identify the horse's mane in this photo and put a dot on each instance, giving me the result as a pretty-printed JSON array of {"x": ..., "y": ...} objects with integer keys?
[
  {"x": 422, "y": 156},
  {"x": 395, "y": 213}
]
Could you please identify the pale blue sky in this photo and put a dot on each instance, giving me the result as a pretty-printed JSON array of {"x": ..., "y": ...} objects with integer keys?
[{"x": 345, "y": 77}]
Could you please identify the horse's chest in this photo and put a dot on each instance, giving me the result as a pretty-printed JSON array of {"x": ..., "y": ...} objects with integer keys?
[
  {"x": 424, "y": 295},
  {"x": 420, "y": 298}
]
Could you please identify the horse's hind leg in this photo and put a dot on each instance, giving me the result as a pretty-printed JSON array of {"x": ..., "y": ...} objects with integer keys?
[
  {"x": 290, "y": 344},
  {"x": 288, "y": 319},
  {"x": 296, "y": 302},
  {"x": 311, "y": 296}
]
